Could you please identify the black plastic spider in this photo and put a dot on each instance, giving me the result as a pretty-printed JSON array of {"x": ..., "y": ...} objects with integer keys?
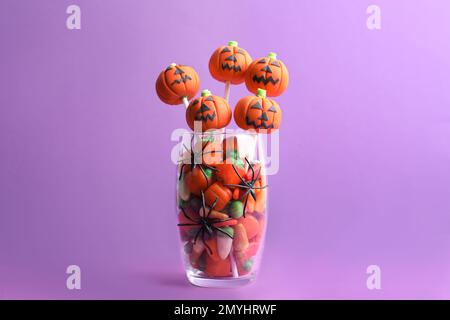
[
  {"x": 206, "y": 224},
  {"x": 196, "y": 159},
  {"x": 248, "y": 185}
]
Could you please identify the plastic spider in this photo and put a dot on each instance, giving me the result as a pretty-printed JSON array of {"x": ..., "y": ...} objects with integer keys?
[
  {"x": 248, "y": 185},
  {"x": 206, "y": 224}
]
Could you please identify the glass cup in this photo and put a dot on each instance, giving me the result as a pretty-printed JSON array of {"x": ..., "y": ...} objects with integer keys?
[{"x": 221, "y": 207}]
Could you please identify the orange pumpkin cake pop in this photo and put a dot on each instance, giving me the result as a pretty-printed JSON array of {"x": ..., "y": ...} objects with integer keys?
[
  {"x": 268, "y": 73},
  {"x": 257, "y": 112},
  {"x": 177, "y": 84},
  {"x": 228, "y": 64},
  {"x": 213, "y": 112}
]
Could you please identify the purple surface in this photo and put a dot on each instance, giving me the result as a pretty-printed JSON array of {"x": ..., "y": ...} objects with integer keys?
[{"x": 85, "y": 170}]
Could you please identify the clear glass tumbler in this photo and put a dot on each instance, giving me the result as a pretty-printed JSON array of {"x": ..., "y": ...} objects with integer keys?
[{"x": 221, "y": 207}]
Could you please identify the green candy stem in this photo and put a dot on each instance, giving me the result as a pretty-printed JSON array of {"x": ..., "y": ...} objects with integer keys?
[
  {"x": 272, "y": 55},
  {"x": 232, "y": 43},
  {"x": 261, "y": 93},
  {"x": 206, "y": 93}
]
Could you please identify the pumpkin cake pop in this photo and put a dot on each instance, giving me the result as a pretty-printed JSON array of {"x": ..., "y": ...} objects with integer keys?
[
  {"x": 177, "y": 84},
  {"x": 228, "y": 64},
  {"x": 213, "y": 112},
  {"x": 258, "y": 113},
  {"x": 268, "y": 73}
]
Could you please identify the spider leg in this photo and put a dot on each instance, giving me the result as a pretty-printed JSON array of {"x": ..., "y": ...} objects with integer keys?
[
  {"x": 209, "y": 152},
  {"x": 263, "y": 187},
  {"x": 203, "y": 202},
  {"x": 203, "y": 148},
  {"x": 237, "y": 185},
  {"x": 245, "y": 204},
  {"x": 257, "y": 176},
  {"x": 197, "y": 234},
  {"x": 251, "y": 168},
  {"x": 212, "y": 206},
  {"x": 253, "y": 194},
  {"x": 234, "y": 168},
  {"x": 181, "y": 171},
  {"x": 192, "y": 141},
  {"x": 215, "y": 151},
  {"x": 209, "y": 229},
  {"x": 245, "y": 193},
  {"x": 209, "y": 167},
  {"x": 187, "y": 217},
  {"x": 204, "y": 174},
  {"x": 204, "y": 242},
  {"x": 187, "y": 149},
  {"x": 217, "y": 220},
  {"x": 224, "y": 232},
  {"x": 187, "y": 224}
]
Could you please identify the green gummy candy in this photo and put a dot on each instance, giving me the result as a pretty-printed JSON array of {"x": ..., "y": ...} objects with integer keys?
[
  {"x": 236, "y": 209},
  {"x": 248, "y": 264},
  {"x": 208, "y": 172}
]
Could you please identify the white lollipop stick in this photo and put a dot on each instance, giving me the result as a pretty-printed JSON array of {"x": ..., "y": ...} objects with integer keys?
[
  {"x": 227, "y": 91},
  {"x": 185, "y": 102}
]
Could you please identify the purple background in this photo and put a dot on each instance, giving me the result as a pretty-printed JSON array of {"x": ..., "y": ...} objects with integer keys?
[{"x": 85, "y": 170}]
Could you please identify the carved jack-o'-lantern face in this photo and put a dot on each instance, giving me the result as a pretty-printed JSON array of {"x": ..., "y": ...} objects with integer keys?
[
  {"x": 267, "y": 73},
  {"x": 177, "y": 82},
  {"x": 212, "y": 111},
  {"x": 258, "y": 113},
  {"x": 229, "y": 63}
]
